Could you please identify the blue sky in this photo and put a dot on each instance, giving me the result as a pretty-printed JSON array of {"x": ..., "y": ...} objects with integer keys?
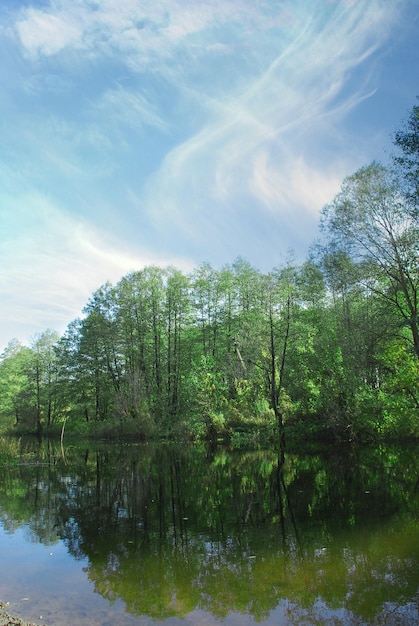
[{"x": 138, "y": 132}]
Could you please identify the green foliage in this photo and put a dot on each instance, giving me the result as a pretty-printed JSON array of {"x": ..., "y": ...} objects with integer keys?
[
  {"x": 268, "y": 350},
  {"x": 27, "y": 383},
  {"x": 399, "y": 392},
  {"x": 14, "y": 385},
  {"x": 209, "y": 391}
]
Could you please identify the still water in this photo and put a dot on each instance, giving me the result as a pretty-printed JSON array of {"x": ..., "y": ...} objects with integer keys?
[{"x": 144, "y": 535}]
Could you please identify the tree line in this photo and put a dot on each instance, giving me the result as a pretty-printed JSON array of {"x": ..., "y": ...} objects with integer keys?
[{"x": 331, "y": 344}]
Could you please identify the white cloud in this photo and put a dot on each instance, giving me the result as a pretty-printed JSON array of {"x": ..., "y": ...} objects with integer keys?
[
  {"x": 51, "y": 263},
  {"x": 144, "y": 26},
  {"x": 299, "y": 188},
  {"x": 44, "y": 33}
]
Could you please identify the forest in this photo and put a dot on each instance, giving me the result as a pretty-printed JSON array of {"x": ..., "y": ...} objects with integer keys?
[{"x": 327, "y": 349}]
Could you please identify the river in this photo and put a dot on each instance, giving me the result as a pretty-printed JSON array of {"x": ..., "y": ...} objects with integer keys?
[{"x": 187, "y": 535}]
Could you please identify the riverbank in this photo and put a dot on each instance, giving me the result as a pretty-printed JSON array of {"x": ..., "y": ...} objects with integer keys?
[{"x": 8, "y": 620}]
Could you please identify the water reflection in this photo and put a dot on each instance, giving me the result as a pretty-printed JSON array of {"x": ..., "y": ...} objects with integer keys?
[{"x": 171, "y": 530}]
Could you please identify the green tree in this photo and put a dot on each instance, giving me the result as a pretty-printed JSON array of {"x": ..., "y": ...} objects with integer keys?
[
  {"x": 247, "y": 350},
  {"x": 406, "y": 160},
  {"x": 205, "y": 298},
  {"x": 302, "y": 378},
  {"x": 141, "y": 323},
  {"x": 17, "y": 404},
  {"x": 43, "y": 375},
  {"x": 28, "y": 382},
  {"x": 98, "y": 354},
  {"x": 178, "y": 316},
  {"x": 74, "y": 387},
  {"x": 370, "y": 221},
  {"x": 373, "y": 262},
  {"x": 276, "y": 334}
]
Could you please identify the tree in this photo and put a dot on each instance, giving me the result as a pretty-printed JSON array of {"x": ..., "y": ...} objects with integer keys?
[
  {"x": 278, "y": 299},
  {"x": 140, "y": 321},
  {"x": 248, "y": 319},
  {"x": 74, "y": 388},
  {"x": 178, "y": 320},
  {"x": 99, "y": 354},
  {"x": 302, "y": 377},
  {"x": 371, "y": 222},
  {"x": 372, "y": 258},
  {"x": 205, "y": 298},
  {"x": 43, "y": 373},
  {"x": 28, "y": 382},
  {"x": 406, "y": 160},
  {"x": 17, "y": 404}
]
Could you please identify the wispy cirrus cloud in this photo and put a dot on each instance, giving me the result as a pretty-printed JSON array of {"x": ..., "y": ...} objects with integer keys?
[
  {"x": 294, "y": 61},
  {"x": 130, "y": 108},
  {"x": 260, "y": 145}
]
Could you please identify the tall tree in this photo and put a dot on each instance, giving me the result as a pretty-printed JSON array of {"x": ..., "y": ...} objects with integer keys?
[
  {"x": 43, "y": 374},
  {"x": 205, "y": 298},
  {"x": 370, "y": 221},
  {"x": 140, "y": 320},
  {"x": 98, "y": 352},
  {"x": 28, "y": 379},
  {"x": 17, "y": 401},
  {"x": 249, "y": 287},
  {"x": 406, "y": 160},
  {"x": 74, "y": 385},
  {"x": 178, "y": 321},
  {"x": 278, "y": 300}
]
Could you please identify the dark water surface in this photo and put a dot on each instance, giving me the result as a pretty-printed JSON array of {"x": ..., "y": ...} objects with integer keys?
[{"x": 144, "y": 535}]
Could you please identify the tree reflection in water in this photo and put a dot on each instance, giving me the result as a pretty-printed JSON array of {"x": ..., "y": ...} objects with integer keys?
[{"x": 172, "y": 530}]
